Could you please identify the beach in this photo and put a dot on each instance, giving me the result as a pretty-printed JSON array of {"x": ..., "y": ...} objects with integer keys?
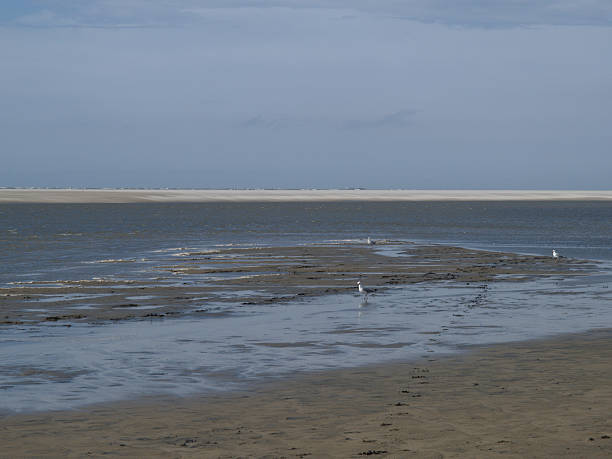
[
  {"x": 542, "y": 398},
  {"x": 135, "y": 195},
  {"x": 294, "y": 229},
  {"x": 237, "y": 330}
]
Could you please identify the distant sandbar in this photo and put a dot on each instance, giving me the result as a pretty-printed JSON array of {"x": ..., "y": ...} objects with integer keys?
[{"x": 133, "y": 196}]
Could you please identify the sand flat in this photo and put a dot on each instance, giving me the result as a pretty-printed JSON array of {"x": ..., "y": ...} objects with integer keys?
[
  {"x": 268, "y": 275},
  {"x": 133, "y": 196},
  {"x": 545, "y": 398}
]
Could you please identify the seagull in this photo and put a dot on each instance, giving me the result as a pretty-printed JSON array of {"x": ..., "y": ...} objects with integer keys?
[
  {"x": 555, "y": 255},
  {"x": 366, "y": 291},
  {"x": 370, "y": 241}
]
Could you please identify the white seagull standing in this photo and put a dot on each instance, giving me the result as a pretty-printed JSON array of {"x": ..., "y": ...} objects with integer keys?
[
  {"x": 555, "y": 255},
  {"x": 365, "y": 291},
  {"x": 370, "y": 241}
]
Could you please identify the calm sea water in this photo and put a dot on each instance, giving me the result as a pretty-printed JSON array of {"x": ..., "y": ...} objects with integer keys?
[
  {"x": 49, "y": 366},
  {"x": 64, "y": 241}
]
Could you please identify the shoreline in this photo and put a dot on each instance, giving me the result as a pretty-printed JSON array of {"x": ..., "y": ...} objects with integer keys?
[
  {"x": 274, "y": 275},
  {"x": 486, "y": 399},
  {"x": 541, "y": 397},
  {"x": 118, "y": 196}
]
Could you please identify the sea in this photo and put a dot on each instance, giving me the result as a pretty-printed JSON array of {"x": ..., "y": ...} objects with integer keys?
[{"x": 48, "y": 366}]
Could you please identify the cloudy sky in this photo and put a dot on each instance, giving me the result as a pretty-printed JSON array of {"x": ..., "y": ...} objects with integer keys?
[{"x": 306, "y": 93}]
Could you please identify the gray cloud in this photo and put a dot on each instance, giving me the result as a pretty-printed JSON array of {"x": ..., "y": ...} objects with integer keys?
[
  {"x": 392, "y": 120},
  {"x": 488, "y": 13},
  {"x": 476, "y": 13},
  {"x": 304, "y": 96},
  {"x": 108, "y": 13},
  {"x": 270, "y": 122},
  {"x": 398, "y": 119},
  {"x": 45, "y": 18}
]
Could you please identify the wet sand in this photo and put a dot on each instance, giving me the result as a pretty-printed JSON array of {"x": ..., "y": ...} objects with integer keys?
[
  {"x": 545, "y": 398},
  {"x": 197, "y": 283},
  {"x": 126, "y": 196}
]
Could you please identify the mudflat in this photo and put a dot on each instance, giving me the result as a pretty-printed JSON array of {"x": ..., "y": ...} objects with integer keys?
[
  {"x": 545, "y": 398},
  {"x": 266, "y": 275}
]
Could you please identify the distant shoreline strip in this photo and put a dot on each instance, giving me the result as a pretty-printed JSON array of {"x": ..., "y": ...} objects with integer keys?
[{"x": 134, "y": 196}]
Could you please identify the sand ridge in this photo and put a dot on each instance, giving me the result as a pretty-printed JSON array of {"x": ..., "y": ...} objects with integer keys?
[{"x": 162, "y": 195}]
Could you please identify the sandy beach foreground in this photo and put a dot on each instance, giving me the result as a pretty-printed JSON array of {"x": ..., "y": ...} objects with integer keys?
[
  {"x": 547, "y": 398},
  {"x": 133, "y": 196}
]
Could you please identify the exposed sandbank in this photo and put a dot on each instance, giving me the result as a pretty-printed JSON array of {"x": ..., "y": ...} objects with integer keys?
[
  {"x": 547, "y": 398},
  {"x": 266, "y": 275},
  {"x": 133, "y": 196}
]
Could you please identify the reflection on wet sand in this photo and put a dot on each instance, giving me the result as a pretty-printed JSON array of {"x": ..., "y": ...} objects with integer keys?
[{"x": 226, "y": 346}]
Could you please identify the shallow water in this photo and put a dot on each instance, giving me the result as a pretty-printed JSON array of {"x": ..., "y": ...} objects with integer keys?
[
  {"x": 51, "y": 366},
  {"x": 54, "y": 367},
  {"x": 46, "y": 242}
]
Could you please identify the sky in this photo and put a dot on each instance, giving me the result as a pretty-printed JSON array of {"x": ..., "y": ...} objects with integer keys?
[{"x": 416, "y": 94}]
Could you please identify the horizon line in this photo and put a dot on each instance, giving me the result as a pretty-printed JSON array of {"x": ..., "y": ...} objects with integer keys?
[{"x": 161, "y": 195}]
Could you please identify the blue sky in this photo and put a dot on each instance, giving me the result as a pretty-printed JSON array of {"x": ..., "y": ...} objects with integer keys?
[{"x": 292, "y": 93}]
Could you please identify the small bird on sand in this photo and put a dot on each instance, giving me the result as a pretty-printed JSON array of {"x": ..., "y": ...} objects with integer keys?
[
  {"x": 364, "y": 290},
  {"x": 371, "y": 241},
  {"x": 555, "y": 255}
]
